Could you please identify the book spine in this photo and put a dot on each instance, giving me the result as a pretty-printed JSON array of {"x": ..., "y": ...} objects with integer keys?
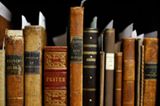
[
  {"x": 109, "y": 42},
  {"x": 90, "y": 67},
  {"x": 142, "y": 76},
  {"x": 118, "y": 79},
  {"x": 14, "y": 68},
  {"x": 33, "y": 38},
  {"x": 150, "y": 71},
  {"x": 128, "y": 72},
  {"x": 102, "y": 65},
  {"x": 55, "y": 76},
  {"x": 76, "y": 56},
  {"x": 138, "y": 59},
  {"x": 2, "y": 78}
]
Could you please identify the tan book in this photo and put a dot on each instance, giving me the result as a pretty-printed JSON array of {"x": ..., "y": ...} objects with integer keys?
[
  {"x": 118, "y": 79},
  {"x": 14, "y": 68},
  {"x": 33, "y": 38},
  {"x": 128, "y": 72},
  {"x": 76, "y": 57},
  {"x": 2, "y": 77},
  {"x": 150, "y": 71}
]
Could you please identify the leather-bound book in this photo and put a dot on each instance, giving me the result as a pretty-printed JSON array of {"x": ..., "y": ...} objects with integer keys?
[
  {"x": 118, "y": 79},
  {"x": 2, "y": 77},
  {"x": 128, "y": 72},
  {"x": 14, "y": 68},
  {"x": 109, "y": 43},
  {"x": 5, "y": 18},
  {"x": 142, "y": 76},
  {"x": 90, "y": 73},
  {"x": 76, "y": 56},
  {"x": 55, "y": 76},
  {"x": 34, "y": 43},
  {"x": 150, "y": 71},
  {"x": 102, "y": 65}
]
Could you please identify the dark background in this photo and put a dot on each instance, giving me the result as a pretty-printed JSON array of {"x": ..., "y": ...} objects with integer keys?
[{"x": 144, "y": 14}]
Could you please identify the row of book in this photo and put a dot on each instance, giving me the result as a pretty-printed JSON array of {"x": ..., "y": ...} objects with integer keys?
[{"x": 92, "y": 70}]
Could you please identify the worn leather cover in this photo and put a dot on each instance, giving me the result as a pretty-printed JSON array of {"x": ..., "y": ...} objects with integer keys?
[
  {"x": 90, "y": 72},
  {"x": 14, "y": 68},
  {"x": 76, "y": 56},
  {"x": 150, "y": 71},
  {"x": 55, "y": 76},
  {"x": 34, "y": 43},
  {"x": 109, "y": 43},
  {"x": 128, "y": 72},
  {"x": 3, "y": 25},
  {"x": 118, "y": 79},
  {"x": 2, "y": 78}
]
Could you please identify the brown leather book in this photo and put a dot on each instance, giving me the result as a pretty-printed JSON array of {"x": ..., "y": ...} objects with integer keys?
[
  {"x": 142, "y": 76},
  {"x": 76, "y": 56},
  {"x": 109, "y": 43},
  {"x": 102, "y": 64},
  {"x": 118, "y": 79},
  {"x": 14, "y": 68},
  {"x": 55, "y": 76},
  {"x": 128, "y": 72},
  {"x": 34, "y": 43},
  {"x": 2, "y": 77},
  {"x": 150, "y": 71},
  {"x": 5, "y": 18}
]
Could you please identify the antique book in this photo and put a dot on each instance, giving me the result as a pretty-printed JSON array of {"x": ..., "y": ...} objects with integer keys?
[
  {"x": 34, "y": 44},
  {"x": 55, "y": 76},
  {"x": 118, "y": 79},
  {"x": 2, "y": 77},
  {"x": 128, "y": 98},
  {"x": 14, "y": 68},
  {"x": 109, "y": 43},
  {"x": 150, "y": 70},
  {"x": 76, "y": 55},
  {"x": 90, "y": 72},
  {"x": 5, "y": 18},
  {"x": 138, "y": 62},
  {"x": 142, "y": 76},
  {"x": 102, "y": 65}
]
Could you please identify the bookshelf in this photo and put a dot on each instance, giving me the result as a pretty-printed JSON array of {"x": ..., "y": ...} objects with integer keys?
[{"x": 57, "y": 15}]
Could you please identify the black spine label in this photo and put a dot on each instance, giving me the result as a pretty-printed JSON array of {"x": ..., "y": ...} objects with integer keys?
[
  {"x": 32, "y": 62},
  {"x": 150, "y": 71},
  {"x": 77, "y": 49},
  {"x": 14, "y": 65}
]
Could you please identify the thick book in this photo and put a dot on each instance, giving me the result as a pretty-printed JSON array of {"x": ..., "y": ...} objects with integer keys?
[
  {"x": 118, "y": 79},
  {"x": 150, "y": 71},
  {"x": 76, "y": 56},
  {"x": 14, "y": 68},
  {"x": 2, "y": 77},
  {"x": 34, "y": 44},
  {"x": 90, "y": 72},
  {"x": 109, "y": 43},
  {"x": 128, "y": 98},
  {"x": 55, "y": 76},
  {"x": 5, "y": 18}
]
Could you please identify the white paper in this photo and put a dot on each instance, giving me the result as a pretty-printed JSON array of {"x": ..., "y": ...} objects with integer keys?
[
  {"x": 24, "y": 22},
  {"x": 94, "y": 23},
  {"x": 134, "y": 34},
  {"x": 109, "y": 61},
  {"x": 151, "y": 34},
  {"x": 5, "y": 12},
  {"x": 42, "y": 20},
  {"x": 127, "y": 32},
  {"x": 60, "y": 40}
]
